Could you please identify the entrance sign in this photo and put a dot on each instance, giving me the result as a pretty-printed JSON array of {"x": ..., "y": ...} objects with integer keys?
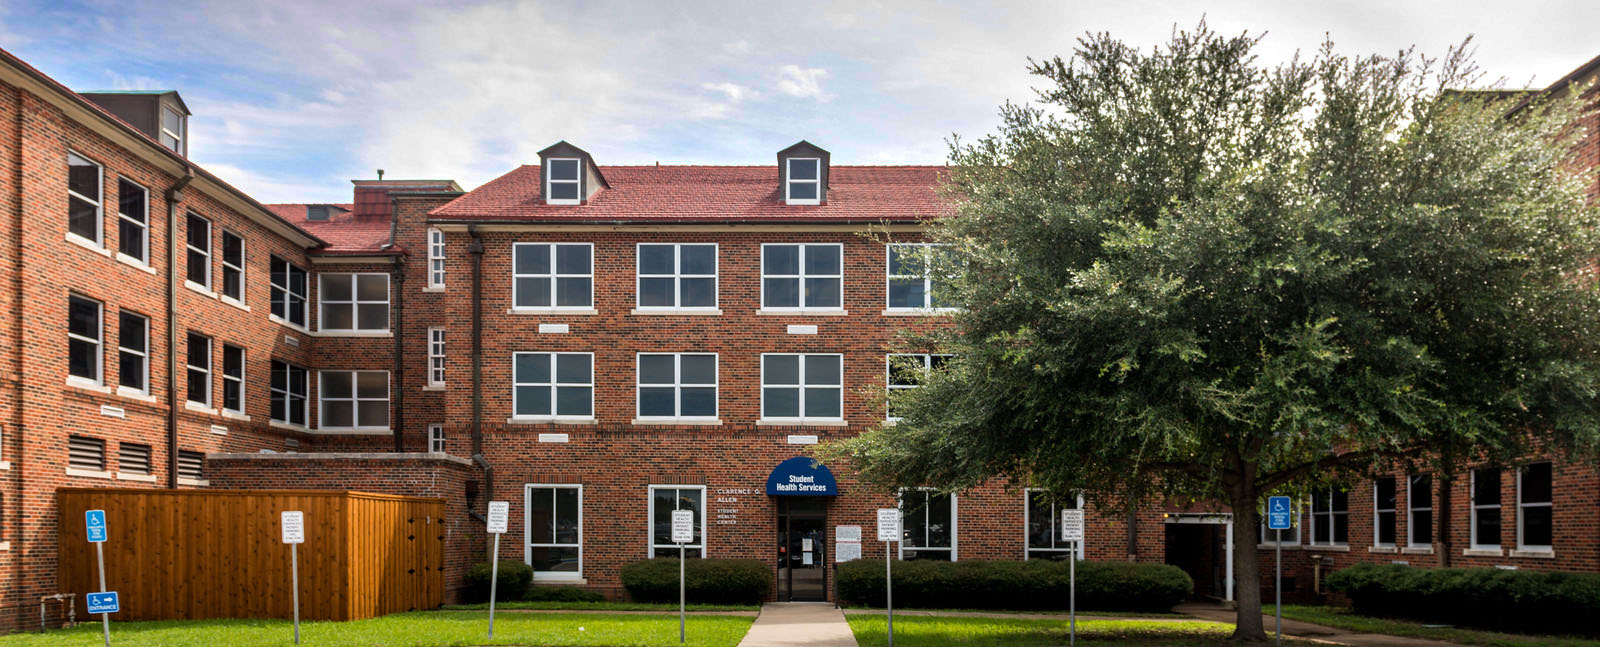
[
  {"x": 104, "y": 602},
  {"x": 294, "y": 533},
  {"x": 499, "y": 516},
  {"x": 801, "y": 476},
  {"x": 294, "y": 527},
  {"x": 888, "y": 524},
  {"x": 1072, "y": 525},
  {"x": 496, "y": 520},
  {"x": 1278, "y": 513},
  {"x": 95, "y": 524}
]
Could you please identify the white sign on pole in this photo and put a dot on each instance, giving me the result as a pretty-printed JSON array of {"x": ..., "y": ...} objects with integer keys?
[
  {"x": 682, "y": 526},
  {"x": 847, "y": 533},
  {"x": 294, "y": 527},
  {"x": 1072, "y": 525},
  {"x": 888, "y": 524},
  {"x": 499, "y": 515}
]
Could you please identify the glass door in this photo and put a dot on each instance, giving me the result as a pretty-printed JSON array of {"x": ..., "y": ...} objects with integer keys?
[{"x": 802, "y": 549}]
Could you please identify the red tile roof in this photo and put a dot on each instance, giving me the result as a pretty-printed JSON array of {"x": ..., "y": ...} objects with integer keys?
[
  {"x": 347, "y": 233},
  {"x": 745, "y": 194}
]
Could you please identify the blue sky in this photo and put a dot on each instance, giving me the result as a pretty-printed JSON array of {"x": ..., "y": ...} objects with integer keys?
[{"x": 292, "y": 99}]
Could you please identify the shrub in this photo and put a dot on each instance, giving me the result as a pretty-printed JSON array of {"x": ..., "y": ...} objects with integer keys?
[
  {"x": 1109, "y": 586},
  {"x": 708, "y": 581},
  {"x": 562, "y": 594},
  {"x": 513, "y": 582},
  {"x": 1533, "y": 601}
]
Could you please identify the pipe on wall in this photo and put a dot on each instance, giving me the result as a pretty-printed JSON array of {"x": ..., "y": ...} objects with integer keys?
[
  {"x": 398, "y": 384},
  {"x": 475, "y": 247},
  {"x": 174, "y": 196}
]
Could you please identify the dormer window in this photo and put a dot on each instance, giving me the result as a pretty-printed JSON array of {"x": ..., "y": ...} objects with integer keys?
[
  {"x": 318, "y": 212},
  {"x": 172, "y": 130},
  {"x": 562, "y": 187},
  {"x": 805, "y": 180}
]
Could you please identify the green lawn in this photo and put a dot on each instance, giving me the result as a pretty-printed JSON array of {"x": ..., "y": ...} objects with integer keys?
[
  {"x": 935, "y": 631},
  {"x": 1059, "y": 612},
  {"x": 664, "y": 607},
  {"x": 1346, "y": 619},
  {"x": 425, "y": 628}
]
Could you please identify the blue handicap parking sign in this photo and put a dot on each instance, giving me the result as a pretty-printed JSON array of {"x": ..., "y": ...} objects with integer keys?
[
  {"x": 104, "y": 602},
  {"x": 95, "y": 521},
  {"x": 1278, "y": 513}
]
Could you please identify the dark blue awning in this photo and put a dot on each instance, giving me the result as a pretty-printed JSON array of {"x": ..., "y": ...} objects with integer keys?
[{"x": 801, "y": 476}]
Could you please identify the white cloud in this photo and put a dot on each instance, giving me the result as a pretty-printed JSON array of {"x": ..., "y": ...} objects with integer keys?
[
  {"x": 803, "y": 83},
  {"x": 737, "y": 48},
  {"x": 734, "y": 91}
]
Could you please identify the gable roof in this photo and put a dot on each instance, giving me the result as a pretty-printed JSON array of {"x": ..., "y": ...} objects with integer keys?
[
  {"x": 708, "y": 194},
  {"x": 347, "y": 233}
]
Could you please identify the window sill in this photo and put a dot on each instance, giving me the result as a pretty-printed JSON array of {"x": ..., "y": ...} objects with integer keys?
[
  {"x": 514, "y": 420},
  {"x": 768, "y": 422},
  {"x": 1536, "y": 553},
  {"x": 1328, "y": 548},
  {"x": 553, "y": 311},
  {"x": 199, "y": 407},
  {"x": 88, "y": 474},
  {"x": 376, "y": 334},
  {"x": 234, "y": 302},
  {"x": 352, "y": 431},
  {"x": 434, "y": 387},
  {"x": 279, "y": 424},
  {"x": 88, "y": 244},
  {"x": 677, "y": 311},
  {"x": 5, "y": 545},
  {"x": 287, "y": 324},
  {"x": 821, "y": 312},
  {"x": 203, "y": 290},
  {"x": 141, "y": 478},
  {"x": 1483, "y": 552},
  {"x": 194, "y": 482},
  {"x": 433, "y": 289},
  {"x": 87, "y": 384},
  {"x": 1387, "y": 550},
  {"x": 136, "y": 394},
  {"x": 680, "y": 422},
  {"x": 236, "y": 415},
  {"x": 135, "y": 263},
  {"x": 1285, "y": 547},
  {"x": 5, "y": 465},
  {"x": 1417, "y": 550},
  {"x": 560, "y": 580},
  {"x": 918, "y": 312}
]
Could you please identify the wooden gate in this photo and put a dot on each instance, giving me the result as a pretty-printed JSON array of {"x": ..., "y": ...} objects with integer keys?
[{"x": 185, "y": 554}]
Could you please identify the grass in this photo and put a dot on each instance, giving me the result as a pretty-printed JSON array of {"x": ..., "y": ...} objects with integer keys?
[
  {"x": 935, "y": 631},
  {"x": 418, "y": 629},
  {"x": 1060, "y": 612},
  {"x": 551, "y": 605},
  {"x": 1343, "y": 618}
]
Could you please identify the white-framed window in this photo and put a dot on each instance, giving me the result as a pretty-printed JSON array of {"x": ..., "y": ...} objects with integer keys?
[
  {"x": 85, "y": 186},
  {"x": 353, "y": 400},
  {"x": 233, "y": 266},
  {"x": 553, "y": 514},
  {"x": 805, "y": 181},
  {"x": 197, "y": 243},
  {"x": 1290, "y": 537},
  {"x": 1384, "y": 517},
  {"x": 557, "y": 386},
  {"x": 290, "y": 390},
  {"x": 172, "y": 130},
  {"x": 1330, "y": 517},
  {"x": 912, "y": 277},
  {"x": 664, "y": 499},
  {"x": 435, "y": 258},
  {"x": 552, "y": 276},
  {"x": 904, "y": 371},
  {"x": 1535, "y": 507},
  {"x": 802, "y": 277},
  {"x": 436, "y": 356},
  {"x": 802, "y": 387},
  {"x": 677, "y": 276},
  {"x": 1486, "y": 508},
  {"x": 198, "y": 360},
  {"x": 133, "y": 220},
  {"x": 133, "y": 458},
  {"x": 563, "y": 184},
  {"x": 1042, "y": 519},
  {"x": 232, "y": 378},
  {"x": 677, "y": 386},
  {"x": 288, "y": 292},
  {"x": 84, "y": 330},
  {"x": 1419, "y": 511},
  {"x": 436, "y": 438},
  {"x": 353, "y": 302},
  {"x": 133, "y": 351},
  {"x": 927, "y": 525}
]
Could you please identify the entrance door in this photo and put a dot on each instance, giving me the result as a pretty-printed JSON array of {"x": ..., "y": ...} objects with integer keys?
[{"x": 802, "y": 548}]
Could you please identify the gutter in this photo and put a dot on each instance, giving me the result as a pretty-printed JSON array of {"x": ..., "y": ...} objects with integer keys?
[
  {"x": 398, "y": 384},
  {"x": 174, "y": 196},
  {"x": 475, "y": 247}
]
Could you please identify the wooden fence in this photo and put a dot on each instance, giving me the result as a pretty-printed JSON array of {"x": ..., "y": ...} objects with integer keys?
[{"x": 181, "y": 554}]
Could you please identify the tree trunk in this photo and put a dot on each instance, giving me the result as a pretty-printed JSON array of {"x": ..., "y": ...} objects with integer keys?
[{"x": 1246, "y": 560}]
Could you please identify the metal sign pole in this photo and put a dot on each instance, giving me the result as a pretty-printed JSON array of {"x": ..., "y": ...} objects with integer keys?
[
  {"x": 1277, "y": 586},
  {"x": 1072, "y": 596},
  {"x": 496, "y": 523},
  {"x": 105, "y": 618},
  {"x": 888, "y": 591},
  {"x": 294, "y": 576},
  {"x": 681, "y": 596},
  {"x": 494, "y": 581}
]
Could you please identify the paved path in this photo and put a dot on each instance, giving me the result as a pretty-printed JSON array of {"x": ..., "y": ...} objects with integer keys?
[
  {"x": 799, "y": 624},
  {"x": 1309, "y": 631}
]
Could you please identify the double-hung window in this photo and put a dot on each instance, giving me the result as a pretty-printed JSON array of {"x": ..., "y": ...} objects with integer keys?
[
  {"x": 85, "y": 180},
  {"x": 436, "y": 438},
  {"x": 1486, "y": 508},
  {"x": 133, "y": 351},
  {"x": 1535, "y": 507},
  {"x": 1330, "y": 517},
  {"x": 353, "y": 302},
  {"x": 552, "y": 276},
  {"x": 1043, "y": 521},
  {"x": 435, "y": 258},
  {"x": 83, "y": 338},
  {"x": 801, "y": 388},
  {"x": 1419, "y": 511},
  {"x": 197, "y": 237},
  {"x": 199, "y": 363},
  {"x": 133, "y": 221},
  {"x": 289, "y": 393},
  {"x": 928, "y": 525},
  {"x": 288, "y": 292},
  {"x": 678, "y": 386},
  {"x": 805, "y": 181},
  {"x": 172, "y": 130},
  {"x": 905, "y": 372},
  {"x": 436, "y": 357},
  {"x": 914, "y": 279},
  {"x": 554, "y": 515},
  {"x": 1384, "y": 521},
  {"x": 677, "y": 277},
  {"x": 664, "y": 499},
  {"x": 232, "y": 378},
  {"x": 232, "y": 266},
  {"x": 353, "y": 399},
  {"x": 563, "y": 184},
  {"x": 553, "y": 386},
  {"x": 802, "y": 277}
]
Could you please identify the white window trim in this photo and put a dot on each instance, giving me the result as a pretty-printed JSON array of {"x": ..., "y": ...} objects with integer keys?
[
  {"x": 355, "y": 303},
  {"x": 527, "y": 532},
  {"x": 1411, "y": 511},
  {"x": 98, "y": 242},
  {"x": 801, "y": 385},
  {"x": 144, "y": 254},
  {"x": 550, "y": 180},
  {"x": 436, "y": 438},
  {"x": 955, "y": 525},
  {"x": 144, "y": 355},
  {"x": 1330, "y": 513},
  {"x": 650, "y": 517},
  {"x": 1394, "y": 511},
  {"x": 552, "y": 278},
  {"x": 1472, "y": 512},
  {"x": 189, "y": 365},
  {"x": 355, "y": 400},
  {"x": 436, "y": 357},
  {"x": 178, "y": 137},
  {"x": 888, "y": 375},
  {"x": 677, "y": 388},
  {"x": 677, "y": 277},
  {"x": 927, "y": 282},
  {"x": 436, "y": 271},
  {"x": 800, "y": 279},
  {"x": 244, "y": 368},
  {"x": 1521, "y": 545},
  {"x": 789, "y": 181},
  {"x": 305, "y": 299},
  {"x": 244, "y": 287},
  {"x": 1055, "y": 527},
  {"x": 288, "y": 396},
  {"x": 188, "y": 219},
  {"x": 551, "y": 385},
  {"x": 98, "y": 340}
]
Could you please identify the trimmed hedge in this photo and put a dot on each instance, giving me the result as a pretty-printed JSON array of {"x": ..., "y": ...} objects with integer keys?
[
  {"x": 562, "y": 594},
  {"x": 1531, "y": 601},
  {"x": 515, "y": 577},
  {"x": 707, "y": 581},
  {"x": 1035, "y": 584}
]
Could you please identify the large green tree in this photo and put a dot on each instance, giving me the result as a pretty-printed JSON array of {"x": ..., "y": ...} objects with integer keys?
[{"x": 1187, "y": 273}]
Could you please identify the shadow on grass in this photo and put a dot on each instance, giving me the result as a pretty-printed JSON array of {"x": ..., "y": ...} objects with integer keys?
[{"x": 931, "y": 631}]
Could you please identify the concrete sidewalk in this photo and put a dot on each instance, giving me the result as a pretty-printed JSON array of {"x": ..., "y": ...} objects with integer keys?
[
  {"x": 1309, "y": 631},
  {"x": 799, "y": 624}
]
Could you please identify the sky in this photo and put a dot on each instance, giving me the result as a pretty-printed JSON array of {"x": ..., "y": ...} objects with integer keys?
[{"x": 294, "y": 98}]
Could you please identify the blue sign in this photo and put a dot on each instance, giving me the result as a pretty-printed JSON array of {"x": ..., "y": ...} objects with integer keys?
[
  {"x": 95, "y": 521},
  {"x": 1279, "y": 511},
  {"x": 104, "y": 602},
  {"x": 801, "y": 476}
]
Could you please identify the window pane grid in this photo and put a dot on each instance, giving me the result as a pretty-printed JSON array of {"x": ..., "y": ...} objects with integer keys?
[
  {"x": 232, "y": 266},
  {"x": 1535, "y": 499},
  {"x": 353, "y": 399},
  {"x": 354, "y": 302},
  {"x": 802, "y": 277},
  {"x": 1419, "y": 513},
  {"x": 663, "y": 501},
  {"x": 83, "y": 338},
  {"x": 805, "y": 180},
  {"x": 911, "y": 284},
  {"x": 555, "y": 530},
  {"x": 929, "y": 520},
  {"x": 553, "y": 386},
  {"x": 133, "y": 217},
  {"x": 85, "y": 182},
  {"x": 688, "y": 278},
  {"x": 563, "y": 181},
  {"x": 1043, "y": 527},
  {"x": 436, "y": 357},
  {"x": 435, "y": 258},
  {"x": 232, "y": 378},
  {"x": 288, "y": 291},
  {"x": 1383, "y": 511},
  {"x": 199, "y": 365},
  {"x": 197, "y": 244},
  {"x": 133, "y": 344},
  {"x": 436, "y": 439},
  {"x": 289, "y": 393},
  {"x": 677, "y": 386},
  {"x": 801, "y": 388},
  {"x": 1486, "y": 508},
  {"x": 556, "y": 276}
]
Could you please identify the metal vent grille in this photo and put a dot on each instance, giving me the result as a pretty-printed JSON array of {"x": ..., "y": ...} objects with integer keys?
[
  {"x": 190, "y": 465},
  {"x": 86, "y": 453},
  {"x": 133, "y": 459}
]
